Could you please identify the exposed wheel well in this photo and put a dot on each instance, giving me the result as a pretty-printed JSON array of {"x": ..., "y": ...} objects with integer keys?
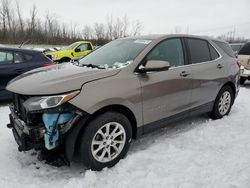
[
  {"x": 125, "y": 111},
  {"x": 64, "y": 59}
]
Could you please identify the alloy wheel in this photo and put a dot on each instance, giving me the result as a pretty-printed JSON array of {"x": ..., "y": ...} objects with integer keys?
[
  {"x": 108, "y": 142},
  {"x": 224, "y": 103}
]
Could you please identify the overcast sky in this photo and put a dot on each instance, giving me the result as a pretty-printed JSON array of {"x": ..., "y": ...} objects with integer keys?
[{"x": 203, "y": 17}]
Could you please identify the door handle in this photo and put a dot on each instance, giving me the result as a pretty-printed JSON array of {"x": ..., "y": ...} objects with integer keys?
[
  {"x": 184, "y": 74},
  {"x": 219, "y": 66}
]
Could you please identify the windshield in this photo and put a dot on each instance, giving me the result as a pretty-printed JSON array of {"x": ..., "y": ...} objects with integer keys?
[
  {"x": 72, "y": 46},
  {"x": 116, "y": 54}
]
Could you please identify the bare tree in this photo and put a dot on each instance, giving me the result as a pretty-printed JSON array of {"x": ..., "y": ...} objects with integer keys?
[
  {"x": 99, "y": 31},
  {"x": 14, "y": 28},
  {"x": 118, "y": 29},
  {"x": 33, "y": 23},
  {"x": 7, "y": 13},
  {"x": 110, "y": 27},
  {"x": 136, "y": 28},
  {"x": 87, "y": 32},
  {"x": 20, "y": 18},
  {"x": 125, "y": 26},
  {"x": 3, "y": 17}
]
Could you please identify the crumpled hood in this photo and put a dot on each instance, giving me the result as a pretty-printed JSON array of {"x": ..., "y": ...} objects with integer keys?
[{"x": 56, "y": 79}]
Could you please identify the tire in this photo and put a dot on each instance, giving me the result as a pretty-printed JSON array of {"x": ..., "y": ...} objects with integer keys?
[
  {"x": 93, "y": 143},
  {"x": 242, "y": 81},
  {"x": 224, "y": 98}
]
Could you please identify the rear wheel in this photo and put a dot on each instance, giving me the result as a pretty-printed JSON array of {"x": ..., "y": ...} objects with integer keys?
[
  {"x": 223, "y": 103},
  {"x": 242, "y": 80},
  {"x": 105, "y": 140}
]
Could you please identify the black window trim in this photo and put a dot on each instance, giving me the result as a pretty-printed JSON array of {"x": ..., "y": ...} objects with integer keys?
[{"x": 208, "y": 42}]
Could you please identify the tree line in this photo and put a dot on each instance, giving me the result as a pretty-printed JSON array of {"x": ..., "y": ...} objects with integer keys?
[{"x": 15, "y": 29}]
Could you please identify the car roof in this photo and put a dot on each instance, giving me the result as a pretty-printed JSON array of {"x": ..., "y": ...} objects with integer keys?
[
  {"x": 82, "y": 41},
  {"x": 19, "y": 49},
  {"x": 236, "y": 43},
  {"x": 163, "y": 36}
]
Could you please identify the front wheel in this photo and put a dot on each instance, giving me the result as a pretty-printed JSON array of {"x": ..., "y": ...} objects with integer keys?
[
  {"x": 105, "y": 140},
  {"x": 223, "y": 103}
]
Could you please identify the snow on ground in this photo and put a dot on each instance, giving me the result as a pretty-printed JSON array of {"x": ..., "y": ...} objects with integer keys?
[{"x": 194, "y": 153}]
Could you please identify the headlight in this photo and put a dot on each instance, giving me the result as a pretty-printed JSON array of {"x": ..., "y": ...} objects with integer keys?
[
  {"x": 45, "y": 102},
  {"x": 53, "y": 57}
]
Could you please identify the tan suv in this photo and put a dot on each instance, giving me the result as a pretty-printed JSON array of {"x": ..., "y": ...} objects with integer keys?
[
  {"x": 244, "y": 60},
  {"x": 92, "y": 109}
]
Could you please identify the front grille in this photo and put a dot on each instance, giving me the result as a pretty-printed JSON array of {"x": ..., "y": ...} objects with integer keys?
[{"x": 18, "y": 101}]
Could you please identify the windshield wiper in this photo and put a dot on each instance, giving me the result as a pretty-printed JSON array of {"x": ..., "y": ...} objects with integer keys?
[{"x": 92, "y": 66}]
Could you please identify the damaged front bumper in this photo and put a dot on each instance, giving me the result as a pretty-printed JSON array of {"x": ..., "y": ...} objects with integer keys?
[
  {"x": 42, "y": 129},
  {"x": 27, "y": 137}
]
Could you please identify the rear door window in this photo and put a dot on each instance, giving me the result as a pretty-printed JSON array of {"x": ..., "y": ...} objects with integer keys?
[
  {"x": 199, "y": 50},
  {"x": 18, "y": 58},
  {"x": 6, "y": 57},
  {"x": 28, "y": 57},
  {"x": 245, "y": 50}
]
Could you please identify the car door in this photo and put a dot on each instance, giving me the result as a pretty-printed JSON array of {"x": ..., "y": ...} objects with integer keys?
[
  {"x": 166, "y": 93},
  {"x": 208, "y": 70},
  {"x": 82, "y": 50},
  {"x": 12, "y": 64}
]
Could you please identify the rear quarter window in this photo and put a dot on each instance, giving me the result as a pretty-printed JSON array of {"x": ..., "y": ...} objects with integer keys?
[
  {"x": 225, "y": 47},
  {"x": 245, "y": 50},
  {"x": 213, "y": 52},
  {"x": 28, "y": 57}
]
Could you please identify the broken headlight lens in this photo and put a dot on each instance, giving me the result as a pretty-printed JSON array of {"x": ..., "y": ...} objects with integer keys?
[{"x": 45, "y": 102}]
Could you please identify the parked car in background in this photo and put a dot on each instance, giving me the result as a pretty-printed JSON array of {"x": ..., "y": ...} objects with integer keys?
[
  {"x": 120, "y": 91},
  {"x": 244, "y": 60},
  {"x": 236, "y": 47},
  {"x": 15, "y": 61},
  {"x": 70, "y": 52},
  {"x": 48, "y": 50}
]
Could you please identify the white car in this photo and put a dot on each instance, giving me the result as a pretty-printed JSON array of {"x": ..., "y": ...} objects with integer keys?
[{"x": 244, "y": 60}]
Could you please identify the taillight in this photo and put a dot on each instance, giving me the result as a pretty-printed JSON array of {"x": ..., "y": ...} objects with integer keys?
[
  {"x": 48, "y": 64},
  {"x": 238, "y": 63}
]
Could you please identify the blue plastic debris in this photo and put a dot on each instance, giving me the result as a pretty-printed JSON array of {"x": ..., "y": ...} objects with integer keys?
[{"x": 52, "y": 122}]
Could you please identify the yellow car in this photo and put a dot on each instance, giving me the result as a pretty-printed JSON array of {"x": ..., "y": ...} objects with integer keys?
[{"x": 70, "y": 52}]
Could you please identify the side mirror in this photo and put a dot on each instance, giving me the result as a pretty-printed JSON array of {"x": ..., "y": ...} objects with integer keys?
[
  {"x": 154, "y": 66},
  {"x": 77, "y": 50}
]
